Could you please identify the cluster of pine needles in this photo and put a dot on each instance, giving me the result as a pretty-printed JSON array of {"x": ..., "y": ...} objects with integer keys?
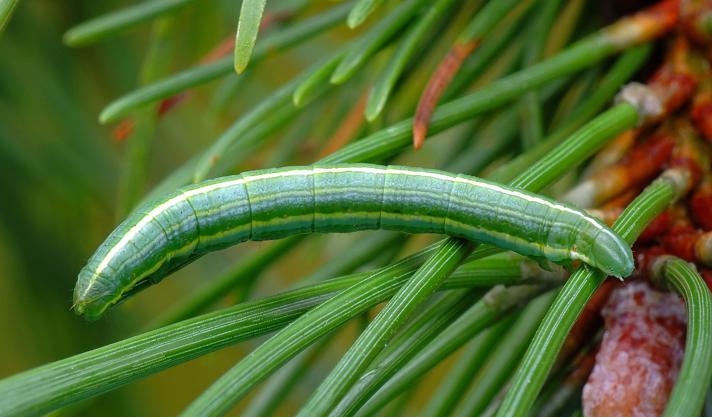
[{"x": 607, "y": 109}]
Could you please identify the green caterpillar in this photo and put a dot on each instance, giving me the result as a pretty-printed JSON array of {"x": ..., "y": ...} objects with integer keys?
[{"x": 275, "y": 203}]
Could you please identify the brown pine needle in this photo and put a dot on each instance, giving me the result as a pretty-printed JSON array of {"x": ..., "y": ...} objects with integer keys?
[
  {"x": 347, "y": 129},
  {"x": 437, "y": 85}
]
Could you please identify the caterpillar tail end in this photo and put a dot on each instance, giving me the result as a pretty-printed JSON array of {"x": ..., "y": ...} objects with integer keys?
[
  {"x": 82, "y": 308},
  {"x": 87, "y": 301}
]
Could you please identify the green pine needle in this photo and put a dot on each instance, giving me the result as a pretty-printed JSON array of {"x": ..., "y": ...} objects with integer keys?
[{"x": 247, "y": 28}]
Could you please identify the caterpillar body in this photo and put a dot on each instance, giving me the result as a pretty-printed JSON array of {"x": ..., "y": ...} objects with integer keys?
[{"x": 270, "y": 204}]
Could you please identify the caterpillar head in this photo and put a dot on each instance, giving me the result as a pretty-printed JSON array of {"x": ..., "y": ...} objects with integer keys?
[{"x": 612, "y": 255}]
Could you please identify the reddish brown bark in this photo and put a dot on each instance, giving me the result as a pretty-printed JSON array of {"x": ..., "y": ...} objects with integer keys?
[
  {"x": 647, "y": 24},
  {"x": 640, "y": 354},
  {"x": 701, "y": 204},
  {"x": 680, "y": 241}
]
